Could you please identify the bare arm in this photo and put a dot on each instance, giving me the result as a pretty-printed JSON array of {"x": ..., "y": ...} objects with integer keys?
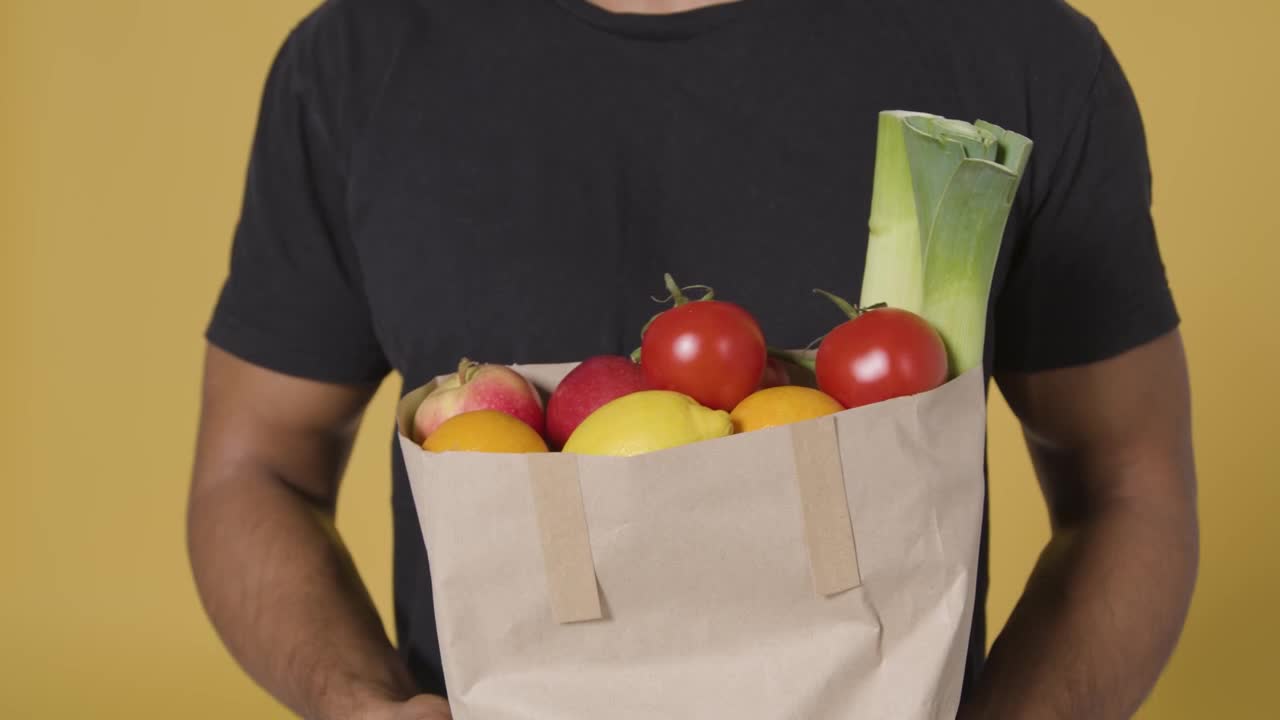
[
  {"x": 1102, "y": 612},
  {"x": 272, "y": 571}
]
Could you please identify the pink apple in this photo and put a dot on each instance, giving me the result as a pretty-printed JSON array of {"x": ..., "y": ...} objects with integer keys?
[
  {"x": 593, "y": 383},
  {"x": 479, "y": 387}
]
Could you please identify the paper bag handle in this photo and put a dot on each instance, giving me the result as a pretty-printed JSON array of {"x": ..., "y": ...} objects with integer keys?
[
  {"x": 828, "y": 530},
  {"x": 566, "y": 545}
]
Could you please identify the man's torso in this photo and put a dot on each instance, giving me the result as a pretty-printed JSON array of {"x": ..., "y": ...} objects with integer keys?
[{"x": 521, "y": 173}]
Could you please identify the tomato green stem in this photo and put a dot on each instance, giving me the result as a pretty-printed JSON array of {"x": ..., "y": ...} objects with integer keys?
[
  {"x": 848, "y": 308},
  {"x": 845, "y": 306},
  {"x": 794, "y": 358},
  {"x": 676, "y": 294}
]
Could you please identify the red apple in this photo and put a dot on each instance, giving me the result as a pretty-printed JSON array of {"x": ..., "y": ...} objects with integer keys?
[
  {"x": 775, "y": 374},
  {"x": 479, "y": 387},
  {"x": 593, "y": 383}
]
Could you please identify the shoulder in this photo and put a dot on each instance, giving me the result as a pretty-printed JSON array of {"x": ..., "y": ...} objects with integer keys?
[
  {"x": 344, "y": 37},
  {"x": 338, "y": 55},
  {"x": 1057, "y": 49},
  {"x": 1037, "y": 26},
  {"x": 361, "y": 24},
  {"x": 1044, "y": 65},
  {"x": 1028, "y": 27},
  {"x": 1027, "y": 60},
  {"x": 1051, "y": 36}
]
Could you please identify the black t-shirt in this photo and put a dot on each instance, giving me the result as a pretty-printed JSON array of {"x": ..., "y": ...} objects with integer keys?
[{"x": 509, "y": 179}]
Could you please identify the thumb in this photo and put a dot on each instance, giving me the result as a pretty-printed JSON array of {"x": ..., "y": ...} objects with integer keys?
[{"x": 424, "y": 707}]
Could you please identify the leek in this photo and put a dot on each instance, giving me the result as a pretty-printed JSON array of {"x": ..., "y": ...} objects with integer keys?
[{"x": 940, "y": 201}]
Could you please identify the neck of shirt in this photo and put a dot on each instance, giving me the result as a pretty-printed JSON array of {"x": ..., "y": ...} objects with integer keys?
[{"x": 664, "y": 26}]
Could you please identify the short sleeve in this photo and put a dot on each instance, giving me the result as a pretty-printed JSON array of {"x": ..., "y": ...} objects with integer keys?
[
  {"x": 293, "y": 300},
  {"x": 1087, "y": 281}
]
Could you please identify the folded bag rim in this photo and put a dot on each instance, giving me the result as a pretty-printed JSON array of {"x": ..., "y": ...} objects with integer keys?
[{"x": 408, "y": 405}]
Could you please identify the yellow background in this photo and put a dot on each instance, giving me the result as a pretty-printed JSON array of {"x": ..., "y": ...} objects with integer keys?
[{"x": 125, "y": 133}]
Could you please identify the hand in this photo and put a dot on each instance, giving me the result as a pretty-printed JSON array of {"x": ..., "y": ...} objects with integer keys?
[{"x": 422, "y": 707}]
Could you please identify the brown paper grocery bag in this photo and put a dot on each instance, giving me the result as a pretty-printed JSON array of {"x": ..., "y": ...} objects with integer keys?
[{"x": 819, "y": 570}]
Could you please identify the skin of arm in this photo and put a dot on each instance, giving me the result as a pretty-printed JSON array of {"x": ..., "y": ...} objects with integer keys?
[
  {"x": 1106, "y": 603},
  {"x": 272, "y": 571}
]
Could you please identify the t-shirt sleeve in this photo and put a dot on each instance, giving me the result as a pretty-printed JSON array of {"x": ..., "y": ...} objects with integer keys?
[
  {"x": 293, "y": 300},
  {"x": 1087, "y": 281}
]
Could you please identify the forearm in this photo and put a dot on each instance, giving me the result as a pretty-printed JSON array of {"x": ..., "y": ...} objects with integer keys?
[
  {"x": 283, "y": 594},
  {"x": 1098, "y": 620}
]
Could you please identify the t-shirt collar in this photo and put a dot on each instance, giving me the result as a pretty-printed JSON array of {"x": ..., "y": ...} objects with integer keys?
[{"x": 669, "y": 26}]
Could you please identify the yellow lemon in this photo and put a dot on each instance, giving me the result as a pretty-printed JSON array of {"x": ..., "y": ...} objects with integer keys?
[
  {"x": 780, "y": 406},
  {"x": 484, "y": 431},
  {"x": 646, "y": 421}
]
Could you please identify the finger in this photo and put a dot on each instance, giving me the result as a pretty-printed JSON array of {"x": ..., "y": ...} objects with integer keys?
[{"x": 425, "y": 707}]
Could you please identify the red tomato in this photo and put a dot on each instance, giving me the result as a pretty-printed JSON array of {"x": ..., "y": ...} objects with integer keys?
[
  {"x": 881, "y": 354},
  {"x": 710, "y": 350}
]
